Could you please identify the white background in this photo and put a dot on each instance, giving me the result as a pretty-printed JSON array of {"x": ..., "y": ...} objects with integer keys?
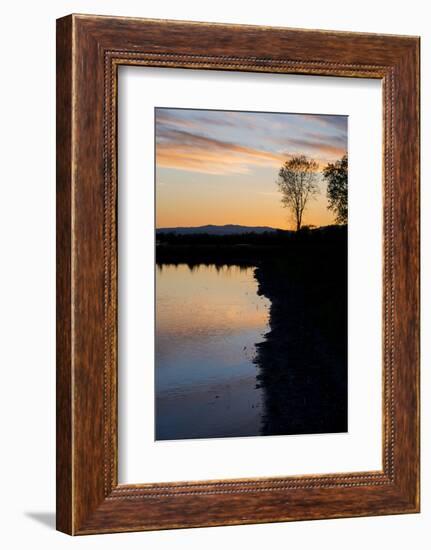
[
  {"x": 27, "y": 217},
  {"x": 141, "y": 458}
]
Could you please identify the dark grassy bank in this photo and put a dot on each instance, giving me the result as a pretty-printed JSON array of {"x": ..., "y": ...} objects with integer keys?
[
  {"x": 303, "y": 360},
  {"x": 302, "y": 363},
  {"x": 246, "y": 248}
]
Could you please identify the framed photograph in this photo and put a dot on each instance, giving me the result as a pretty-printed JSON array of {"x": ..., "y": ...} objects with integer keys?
[{"x": 237, "y": 274}]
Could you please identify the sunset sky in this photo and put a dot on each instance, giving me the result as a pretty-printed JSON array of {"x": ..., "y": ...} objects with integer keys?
[{"x": 221, "y": 167}]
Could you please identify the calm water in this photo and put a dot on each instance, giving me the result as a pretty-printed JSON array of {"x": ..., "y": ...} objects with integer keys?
[{"x": 208, "y": 321}]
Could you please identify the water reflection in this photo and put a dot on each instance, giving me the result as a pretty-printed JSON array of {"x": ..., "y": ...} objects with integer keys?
[{"x": 208, "y": 321}]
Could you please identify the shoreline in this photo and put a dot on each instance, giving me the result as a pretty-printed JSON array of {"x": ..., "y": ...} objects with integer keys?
[{"x": 302, "y": 361}]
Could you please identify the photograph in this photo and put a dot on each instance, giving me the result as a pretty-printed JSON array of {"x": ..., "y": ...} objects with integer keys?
[
  {"x": 215, "y": 270},
  {"x": 251, "y": 273}
]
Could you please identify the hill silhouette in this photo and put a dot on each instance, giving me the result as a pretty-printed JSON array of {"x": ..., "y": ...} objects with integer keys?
[{"x": 229, "y": 229}]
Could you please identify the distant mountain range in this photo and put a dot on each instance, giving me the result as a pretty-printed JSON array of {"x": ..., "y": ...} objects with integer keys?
[{"x": 216, "y": 230}]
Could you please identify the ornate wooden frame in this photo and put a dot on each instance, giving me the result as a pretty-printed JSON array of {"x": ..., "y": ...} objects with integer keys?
[{"x": 89, "y": 51}]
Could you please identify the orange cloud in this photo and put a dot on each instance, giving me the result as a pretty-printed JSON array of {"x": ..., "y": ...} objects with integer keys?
[{"x": 187, "y": 151}]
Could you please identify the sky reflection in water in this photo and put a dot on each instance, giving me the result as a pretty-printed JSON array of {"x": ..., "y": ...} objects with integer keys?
[{"x": 208, "y": 321}]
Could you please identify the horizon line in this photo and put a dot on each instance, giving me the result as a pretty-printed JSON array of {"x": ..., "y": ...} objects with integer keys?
[{"x": 235, "y": 225}]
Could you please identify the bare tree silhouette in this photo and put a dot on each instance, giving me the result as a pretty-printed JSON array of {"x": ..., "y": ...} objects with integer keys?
[{"x": 297, "y": 181}]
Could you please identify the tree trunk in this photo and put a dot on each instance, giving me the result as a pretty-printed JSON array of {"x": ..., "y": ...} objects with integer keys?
[{"x": 298, "y": 224}]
